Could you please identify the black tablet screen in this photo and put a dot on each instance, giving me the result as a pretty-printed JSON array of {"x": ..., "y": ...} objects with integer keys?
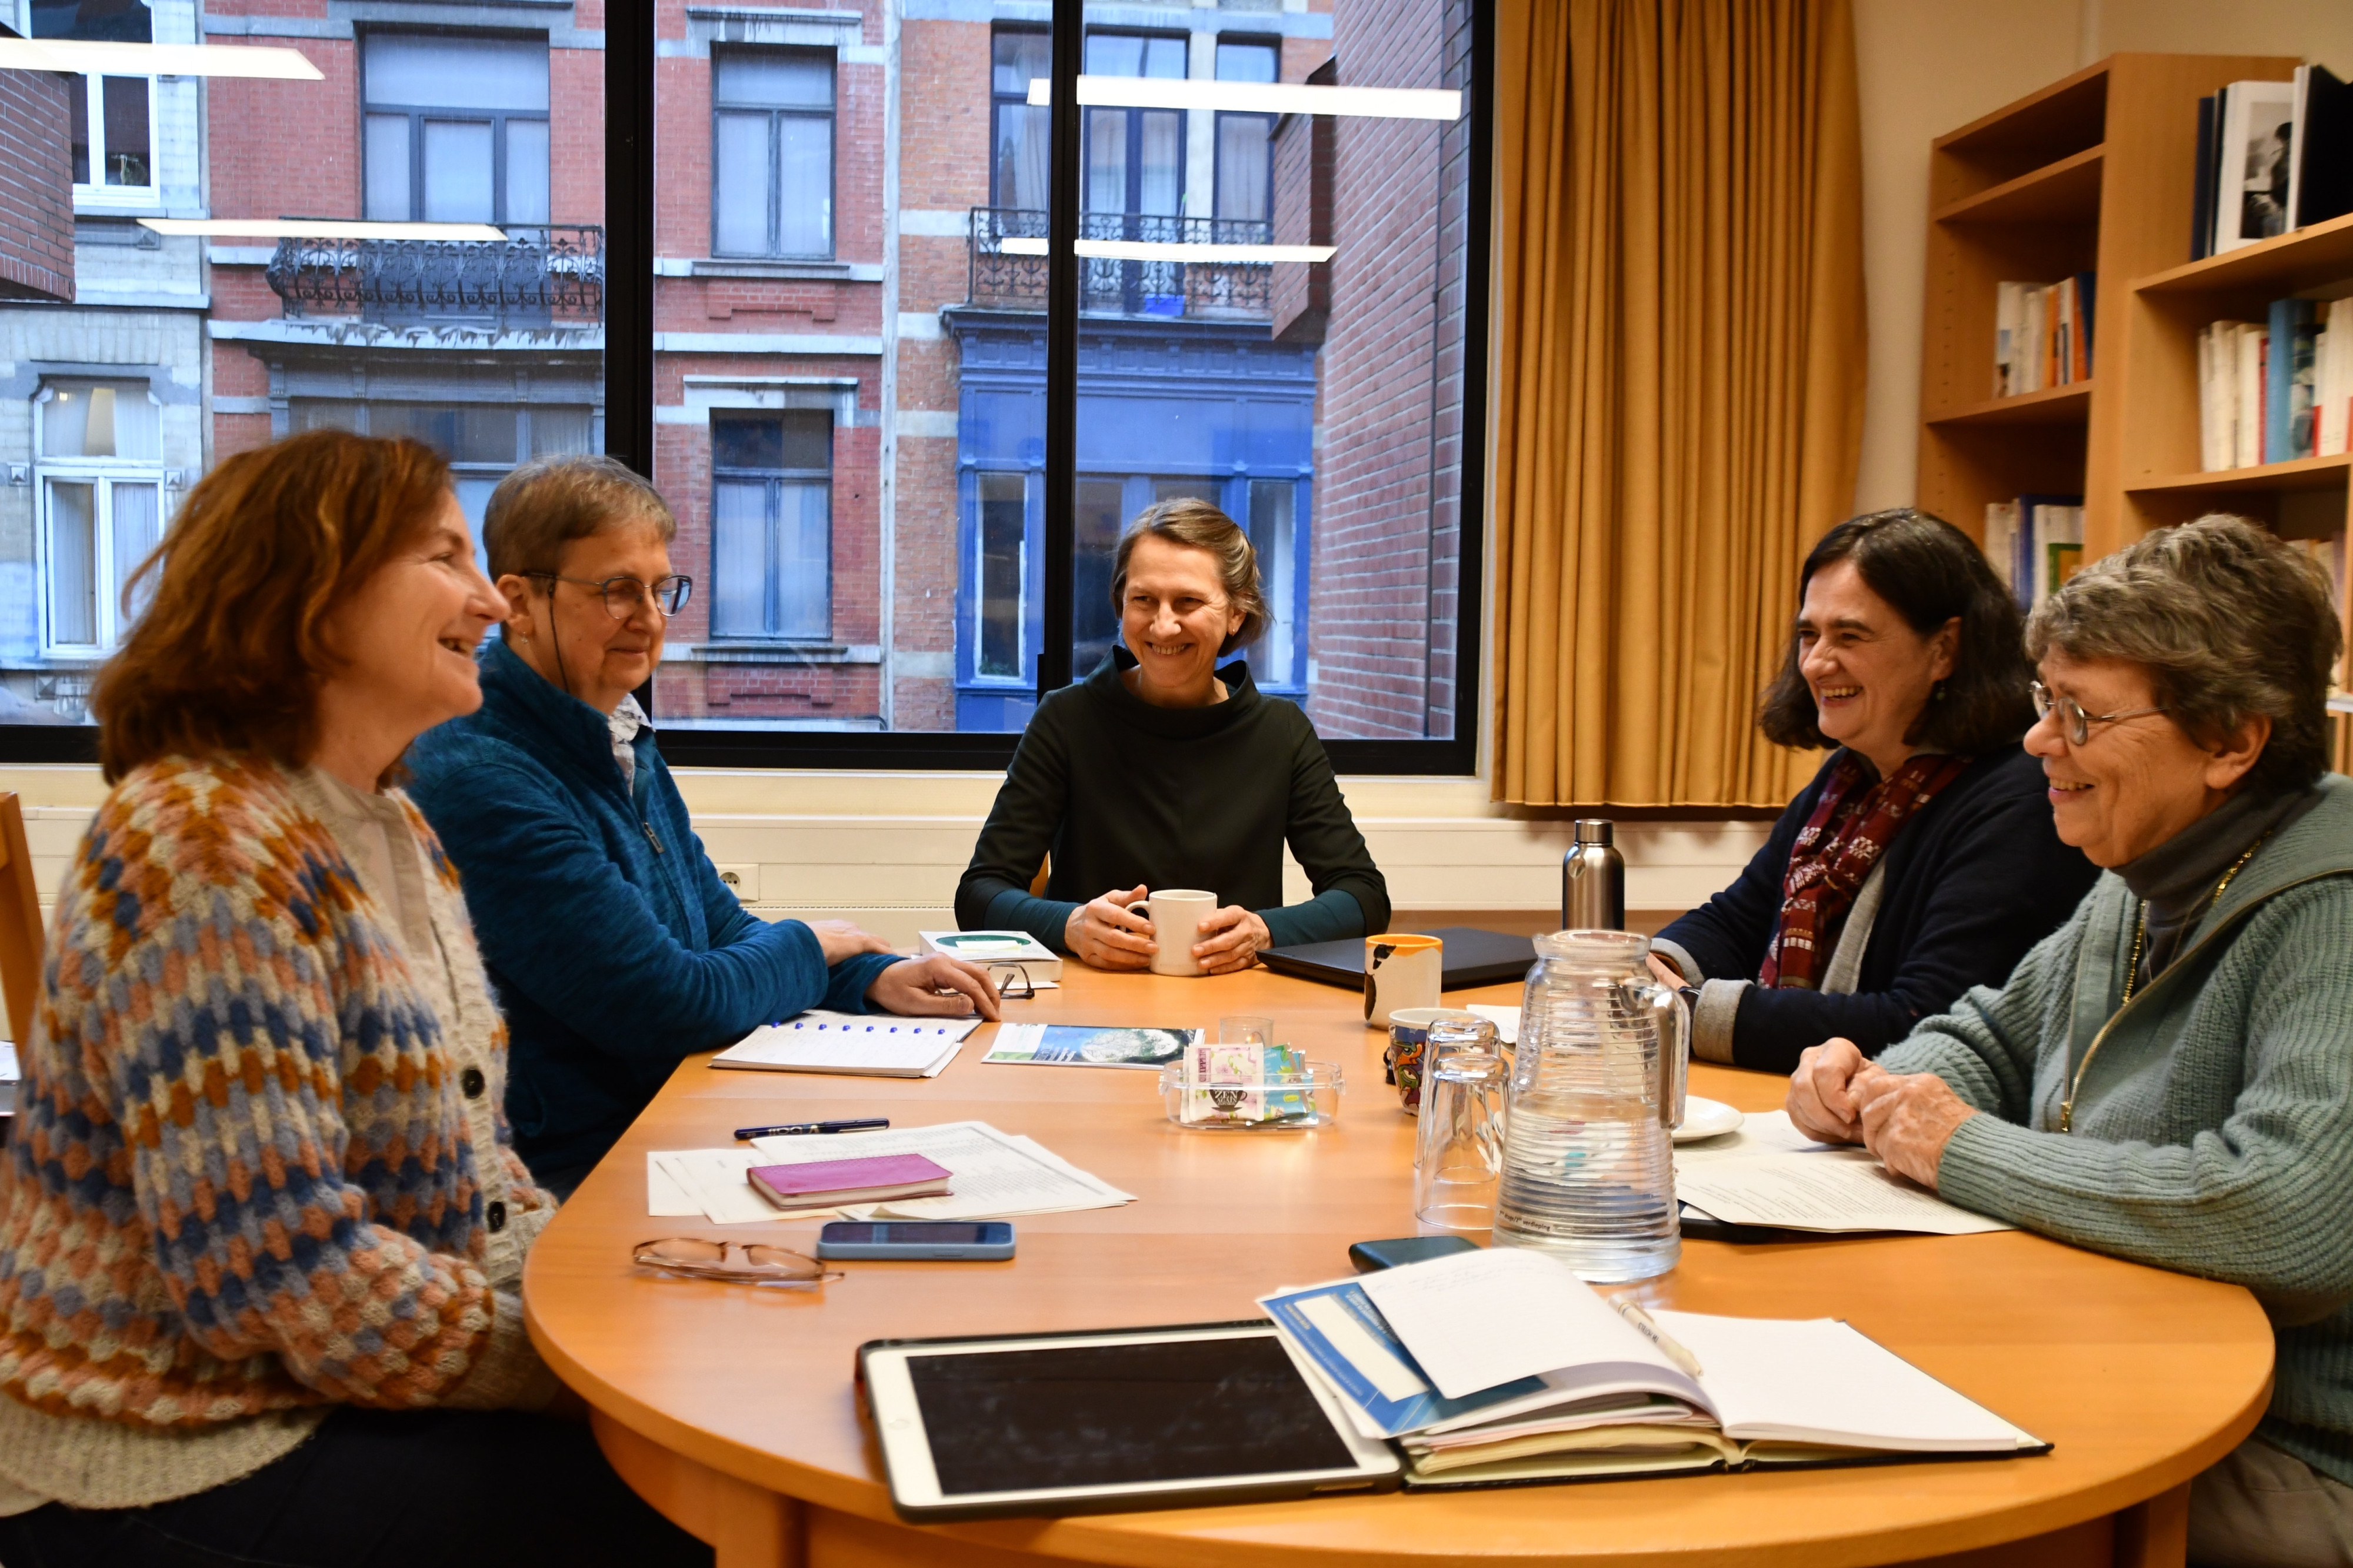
[{"x": 1086, "y": 1415}]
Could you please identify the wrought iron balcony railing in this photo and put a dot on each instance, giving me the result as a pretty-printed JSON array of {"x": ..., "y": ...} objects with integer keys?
[
  {"x": 540, "y": 275},
  {"x": 1226, "y": 290}
]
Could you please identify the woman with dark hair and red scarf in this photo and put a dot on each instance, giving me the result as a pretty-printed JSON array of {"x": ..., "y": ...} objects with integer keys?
[{"x": 1921, "y": 861}]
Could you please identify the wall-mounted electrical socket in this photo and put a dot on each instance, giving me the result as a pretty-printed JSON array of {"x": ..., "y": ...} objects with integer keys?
[{"x": 744, "y": 881}]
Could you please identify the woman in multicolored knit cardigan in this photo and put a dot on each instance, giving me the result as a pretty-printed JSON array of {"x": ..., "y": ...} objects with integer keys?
[{"x": 260, "y": 1272}]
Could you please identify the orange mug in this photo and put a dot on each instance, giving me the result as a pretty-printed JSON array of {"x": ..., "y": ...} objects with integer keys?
[{"x": 1401, "y": 971}]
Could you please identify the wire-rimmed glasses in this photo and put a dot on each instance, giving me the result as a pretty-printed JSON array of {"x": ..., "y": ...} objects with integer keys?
[
  {"x": 692, "y": 1257},
  {"x": 2073, "y": 723},
  {"x": 624, "y": 596},
  {"x": 1012, "y": 981}
]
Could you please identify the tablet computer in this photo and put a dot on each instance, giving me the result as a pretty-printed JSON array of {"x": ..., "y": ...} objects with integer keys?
[{"x": 1108, "y": 1421}]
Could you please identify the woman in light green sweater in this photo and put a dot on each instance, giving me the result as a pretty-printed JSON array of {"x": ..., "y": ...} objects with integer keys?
[{"x": 2170, "y": 1075}]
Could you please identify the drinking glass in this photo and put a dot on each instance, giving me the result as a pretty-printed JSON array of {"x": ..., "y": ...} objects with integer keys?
[
  {"x": 1459, "y": 1146},
  {"x": 1448, "y": 1035},
  {"x": 1243, "y": 1030}
]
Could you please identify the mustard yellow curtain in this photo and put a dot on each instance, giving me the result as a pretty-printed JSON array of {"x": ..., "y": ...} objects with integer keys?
[{"x": 1679, "y": 383}]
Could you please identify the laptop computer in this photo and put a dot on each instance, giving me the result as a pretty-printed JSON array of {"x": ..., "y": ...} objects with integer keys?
[{"x": 1473, "y": 957}]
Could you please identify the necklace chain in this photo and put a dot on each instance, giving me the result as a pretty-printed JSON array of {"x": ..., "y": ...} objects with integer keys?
[{"x": 2132, "y": 977}]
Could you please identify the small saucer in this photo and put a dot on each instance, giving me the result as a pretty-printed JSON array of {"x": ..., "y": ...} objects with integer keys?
[{"x": 1706, "y": 1119}]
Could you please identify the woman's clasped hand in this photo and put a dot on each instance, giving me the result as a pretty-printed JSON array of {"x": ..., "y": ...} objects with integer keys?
[
  {"x": 1836, "y": 1096},
  {"x": 1107, "y": 933}
]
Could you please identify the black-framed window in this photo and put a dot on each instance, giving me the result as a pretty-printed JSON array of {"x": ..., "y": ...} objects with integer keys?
[
  {"x": 480, "y": 439},
  {"x": 1135, "y": 157},
  {"x": 949, "y": 576},
  {"x": 772, "y": 166},
  {"x": 110, "y": 119},
  {"x": 1001, "y": 571},
  {"x": 455, "y": 127},
  {"x": 1245, "y": 141},
  {"x": 772, "y": 525},
  {"x": 1021, "y": 161}
]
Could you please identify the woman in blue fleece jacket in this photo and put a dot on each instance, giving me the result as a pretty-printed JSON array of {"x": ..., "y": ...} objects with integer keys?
[{"x": 613, "y": 946}]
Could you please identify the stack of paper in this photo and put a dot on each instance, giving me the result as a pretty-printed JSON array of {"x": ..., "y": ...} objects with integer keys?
[
  {"x": 1577, "y": 1390},
  {"x": 993, "y": 1175},
  {"x": 874, "y": 1046},
  {"x": 1770, "y": 1173}
]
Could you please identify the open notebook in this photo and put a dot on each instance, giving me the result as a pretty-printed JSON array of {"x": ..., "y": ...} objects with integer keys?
[
  {"x": 1574, "y": 1391},
  {"x": 875, "y": 1045}
]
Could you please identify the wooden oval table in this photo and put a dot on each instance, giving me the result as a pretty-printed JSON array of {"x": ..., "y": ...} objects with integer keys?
[{"x": 731, "y": 1407}]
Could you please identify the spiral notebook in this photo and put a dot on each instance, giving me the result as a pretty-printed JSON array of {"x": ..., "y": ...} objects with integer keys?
[{"x": 869, "y": 1047}]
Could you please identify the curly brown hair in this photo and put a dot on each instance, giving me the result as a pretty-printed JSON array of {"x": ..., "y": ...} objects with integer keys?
[
  {"x": 2229, "y": 622},
  {"x": 229, "y": 654}
]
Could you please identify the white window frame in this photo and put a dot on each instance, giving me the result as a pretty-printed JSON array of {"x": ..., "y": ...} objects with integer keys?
[
  {"x": 98, "y": 194},
  {"x": 103, "y": 474}
]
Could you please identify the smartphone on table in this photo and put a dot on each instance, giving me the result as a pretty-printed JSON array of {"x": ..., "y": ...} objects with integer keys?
[{"x": 963, "y": 1240}]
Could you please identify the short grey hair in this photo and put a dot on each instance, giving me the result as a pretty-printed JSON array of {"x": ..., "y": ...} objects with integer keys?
[
  {"x": 548, "y": 502},
  {"x": 2229, "y": 622}
]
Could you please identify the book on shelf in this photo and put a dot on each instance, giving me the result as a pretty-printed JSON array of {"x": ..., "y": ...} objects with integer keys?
[
  {"x": 2034, "y": 543},
  {"x": 2274, "y": 391},
  {"x": 2287, "y": 381},
  {"x": 2332, "y": 375},
  {"x": 2042, "y": 334},
  {"x": 2201, "y": 200},
  {"x": 2320, "y": 177},
  {"x": 2327, "y": 552},
  {"x": 2254, "y": 131},
  {"x": 2273, "y": 157},
  {"x": 2002, "y": 542}
]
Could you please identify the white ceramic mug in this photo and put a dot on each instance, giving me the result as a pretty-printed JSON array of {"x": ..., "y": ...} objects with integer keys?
[
  {"x": 1401, "y": 971},
  {"x": 1175, "y": 914}
]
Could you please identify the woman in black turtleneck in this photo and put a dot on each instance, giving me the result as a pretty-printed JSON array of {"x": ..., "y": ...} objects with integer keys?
[{"x": 1164, "y": 769}]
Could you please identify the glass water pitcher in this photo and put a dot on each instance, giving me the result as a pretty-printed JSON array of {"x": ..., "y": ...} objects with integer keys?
[{"x": 1596, "y": 1088}]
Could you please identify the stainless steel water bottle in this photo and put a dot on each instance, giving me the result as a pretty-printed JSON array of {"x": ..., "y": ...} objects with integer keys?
[{"x": 1593, "y": 879}]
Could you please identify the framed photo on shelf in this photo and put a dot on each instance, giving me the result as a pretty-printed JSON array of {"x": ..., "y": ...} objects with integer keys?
[{"x": 2257, "y": 156}]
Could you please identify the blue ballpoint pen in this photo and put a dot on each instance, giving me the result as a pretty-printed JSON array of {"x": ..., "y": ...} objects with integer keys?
[{"x": 862, "y": 1124}]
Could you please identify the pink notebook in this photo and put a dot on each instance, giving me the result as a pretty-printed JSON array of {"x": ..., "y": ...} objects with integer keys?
[{"x": 872, "y": 1179}]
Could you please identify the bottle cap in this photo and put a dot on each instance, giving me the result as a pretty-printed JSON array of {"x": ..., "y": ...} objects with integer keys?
[{"x": 1595, "y": 830}]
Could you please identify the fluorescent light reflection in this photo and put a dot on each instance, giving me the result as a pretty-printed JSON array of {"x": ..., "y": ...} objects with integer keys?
[
  {"x": 320, "y": 228},
  {"x": 1260, "y": 96},
  {"x": 1157, "y": 250},
  {"x": 77, "y": 57}
]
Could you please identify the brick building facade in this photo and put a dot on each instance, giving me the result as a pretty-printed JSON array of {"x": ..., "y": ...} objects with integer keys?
[
  {"x": 37, "y": 227},
  {"x": 101, "y": 391},
  {"x": 848, "y": 326}
]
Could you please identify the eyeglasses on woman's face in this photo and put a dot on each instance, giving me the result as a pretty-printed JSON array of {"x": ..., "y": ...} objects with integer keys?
[
  {"x": 2073, "y": 723},
  {"x": 625, "y": 597}
]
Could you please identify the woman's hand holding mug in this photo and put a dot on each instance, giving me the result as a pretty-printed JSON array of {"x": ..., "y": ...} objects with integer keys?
[
  {"x": 1102, "y": 934},
  {"x": 1231, "y": 940}
]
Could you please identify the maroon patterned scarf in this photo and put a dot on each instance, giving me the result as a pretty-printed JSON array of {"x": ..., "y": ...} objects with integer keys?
[{"x": 1854, "y": 822}]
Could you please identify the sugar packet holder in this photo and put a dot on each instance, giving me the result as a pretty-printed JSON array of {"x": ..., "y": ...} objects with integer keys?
[{"x": 1249, "y": 1088}]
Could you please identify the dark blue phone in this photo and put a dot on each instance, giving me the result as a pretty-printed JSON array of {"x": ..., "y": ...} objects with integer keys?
[
  {"x": 962, "y": 1240},
  {"x": 1369, "y": 1256}
]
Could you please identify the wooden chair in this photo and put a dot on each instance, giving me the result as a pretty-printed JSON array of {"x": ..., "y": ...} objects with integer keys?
[
  {"x": 20, "y": 923},
  {"x": 20, "y": 942},
  {"x": 1038, "y": 882}
]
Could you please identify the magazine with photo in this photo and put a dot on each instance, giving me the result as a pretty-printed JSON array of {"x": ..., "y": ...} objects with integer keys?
[{"x": 1089, "y": 1045}]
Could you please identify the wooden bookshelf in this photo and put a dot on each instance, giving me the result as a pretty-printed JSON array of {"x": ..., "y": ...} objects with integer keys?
[
  {"x": 2091, "y": 174},
  {"x": 2096, "y": 170}
]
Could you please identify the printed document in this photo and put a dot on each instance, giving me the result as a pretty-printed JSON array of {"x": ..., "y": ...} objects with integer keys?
[
  {"x": 716, "y": 1184},
  {"x": 995, "y": 1174},
  {"x": 1838, "y": 1190}
]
